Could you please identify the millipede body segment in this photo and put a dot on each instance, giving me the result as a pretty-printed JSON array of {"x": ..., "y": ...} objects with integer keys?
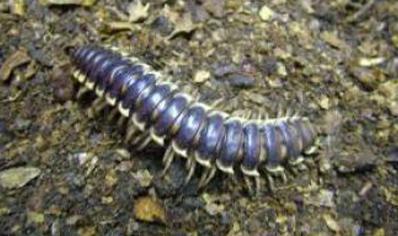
[{"x": 205, "y": 136}]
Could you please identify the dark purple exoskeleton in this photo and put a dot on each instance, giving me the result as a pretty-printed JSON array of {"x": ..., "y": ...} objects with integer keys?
[{"x": 193, "y": 130}]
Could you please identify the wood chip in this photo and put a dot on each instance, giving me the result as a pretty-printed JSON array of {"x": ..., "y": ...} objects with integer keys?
[
  {"x": 18, "y": 58},
  {"x": 18, "y": 177},
  {"x": 85, "y": 3},
  {"x": 331, "y": 223}
]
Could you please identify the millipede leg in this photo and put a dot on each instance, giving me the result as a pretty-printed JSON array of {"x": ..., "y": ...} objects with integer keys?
[
  {"x": 248, "y": 183},
  {"x": 113, "y": 114},
  {"x": 263, "y": 115},
  {"x": 121, "y": 121},
  {"x": 259, "y": 115},
  {"x": 311, "y": 150},
  {"x": 271, "y": 183},
  {"x": 256, "y": 115},
  {"x": 130, "y": 133},
  {"x": 82, "y": 90},
  {"x": 301, "y": 167},
  {"x": 294, "y": 170},
  {"x": 247, "y": 114},
  {"x": 281, "y": 112},
  {"x": 205, "y": 173},
  {"x": 195, "y": 94},
  {"x": 168, "y": 159},
  {"x": 217, "y": 102},
  {"x": 76, "y": 73},
  {"x": 298, "y": 166},
  {"x": 289, "y": 112},
  {"x": 79, "y": 76},
  {"x": 97, "y": 106},
  {"x": 191, "y": 169},
  {"x": 139, "y": 139},
  {"x": 144, "y": 143},
  {"x": 188, "y": 163},
  {"x": 257, "y": 184},
  {"x": 284, "y": 177},
  {"x": 278, "y": 171},
  {"x": 208, "y": 177}
]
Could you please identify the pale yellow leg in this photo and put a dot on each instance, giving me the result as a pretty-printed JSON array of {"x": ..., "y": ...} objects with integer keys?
[
  {"x": 191, "y": 169},
  {"x": 168, "y": 159}
]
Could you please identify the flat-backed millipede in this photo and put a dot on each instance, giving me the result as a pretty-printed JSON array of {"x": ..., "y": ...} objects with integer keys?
[{"x": 205, "y": 136}]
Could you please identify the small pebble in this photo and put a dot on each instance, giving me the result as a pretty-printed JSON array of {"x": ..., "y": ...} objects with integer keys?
[
  {"x": 266, "y": 14},
  {"x": 241, "y": 81},
  {"x": 143, "y": 177},
  {"x": 324, "y": 103},
  {"x": 215, "y": 7},
  {"x": 201, "y": 76},
  {"x": 224, "y": 69}
]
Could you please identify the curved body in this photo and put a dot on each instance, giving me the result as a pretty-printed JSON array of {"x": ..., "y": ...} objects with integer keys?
[{"x": 193, "y": 130}]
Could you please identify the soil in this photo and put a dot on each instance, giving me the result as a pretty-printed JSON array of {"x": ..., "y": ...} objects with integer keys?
[{"x": 67, "y": 171}]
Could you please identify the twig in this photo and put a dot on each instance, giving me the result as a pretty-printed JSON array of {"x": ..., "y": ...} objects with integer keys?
[{"x": 361, "y": 11}]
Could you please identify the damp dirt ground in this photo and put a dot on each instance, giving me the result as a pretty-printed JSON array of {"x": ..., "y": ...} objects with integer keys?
[{"x": 67, "y": 171}]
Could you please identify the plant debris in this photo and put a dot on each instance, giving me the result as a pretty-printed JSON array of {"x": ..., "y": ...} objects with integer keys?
[
  {"x": 18, "y": 177},
  {"x": 148, "y": 209},
  {"x": 66, "y": 170},
  {"x": 18, "y": 58}
]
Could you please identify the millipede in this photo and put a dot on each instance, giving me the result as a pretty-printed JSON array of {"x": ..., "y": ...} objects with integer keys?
[{"x": 158, "y": 111}]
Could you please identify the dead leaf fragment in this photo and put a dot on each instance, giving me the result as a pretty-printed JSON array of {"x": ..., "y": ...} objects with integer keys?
[
  {"x": 18, "y": 58},
  {"x": 183, "y": 25},
  {"x": 138, "y": 11},
  {"x": 331, "y": 223},
  {"x": 18, "y": 177},
  {"x": 324, "y": 103},
  {"x": 148, "y": 209}
]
